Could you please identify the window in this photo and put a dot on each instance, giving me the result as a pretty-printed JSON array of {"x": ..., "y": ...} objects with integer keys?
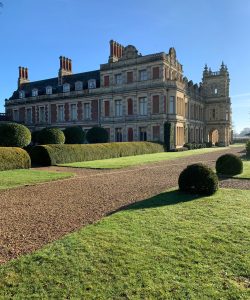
[
  {"x": 143, "y": 106},
  {"x": 216, "y": 91},
  {"x": 78, "y": 86},
  {"x": 106, "y": 108},
  {"x": 156, "y": 133},
  {"x": 118, "y": 108},
  {"x": 21, "y": 94},
  {"x": 73, "y": 112},
  {"x": 48, "y": 90},
  {"x": 29, "y": 115},
  {"x": 143, "y": 75},
  {"x": 118, "y": 79},
  {"x": 16, "y": 115},
  {"x": 66, "y": 88},
  {"x": 171, "y": 104},
  {"x": 130, "y": 135},
  {"x": 129, "y": 77},
  {"x": 227, "y": 115},
  {"x": 106, "y": 80},
  {"x": 156, "y": 104},
  {"x": 213, "y": 113},
  {"x": 118, "y": 135},
  {"x": 34, "y": 92},
  {"x": 130, "y": 106},
  {"x": 41, "y": 114},
  {"x": 143, "y": 133},
  {"x": 91, "y": 84},
  {"x": 156, "y": 73},
  {"x": 87, "y": 111},
  {"x": 60, "y": 110}
]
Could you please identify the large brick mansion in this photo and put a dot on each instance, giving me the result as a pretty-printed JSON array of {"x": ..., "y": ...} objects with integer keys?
[{"x": 132, "y": 96}]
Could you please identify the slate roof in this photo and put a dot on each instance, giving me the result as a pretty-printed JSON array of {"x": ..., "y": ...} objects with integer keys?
[{"x": 53, "y": 82}]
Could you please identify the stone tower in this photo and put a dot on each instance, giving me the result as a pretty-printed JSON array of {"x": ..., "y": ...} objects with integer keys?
[{"x": 215, "y": 90}]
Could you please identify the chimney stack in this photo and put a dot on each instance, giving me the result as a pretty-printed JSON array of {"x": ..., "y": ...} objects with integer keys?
[
  {"x": 116, "y": 51},
  {"x": 23, "y": 76},
  {"x": 65, "y": 68}
]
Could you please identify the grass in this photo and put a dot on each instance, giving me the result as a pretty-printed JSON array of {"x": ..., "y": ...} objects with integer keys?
[
  {"x": 14, "y": 178},
  {"x": 246, "y": 171},
  {"x": 127, "y": 161},
  {"x": 172, "y": 246}
]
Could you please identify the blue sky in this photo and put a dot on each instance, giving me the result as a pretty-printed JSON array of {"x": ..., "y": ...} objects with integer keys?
[{"x": 34, "y": 33}]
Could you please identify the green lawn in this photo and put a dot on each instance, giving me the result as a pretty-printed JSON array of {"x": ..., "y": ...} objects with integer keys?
[
  {"x": 246, "y": 170},
  {"x": 15, "y": 178},
  {"x": 127, "y": 161},
  {"x": 172, "y": 246}
]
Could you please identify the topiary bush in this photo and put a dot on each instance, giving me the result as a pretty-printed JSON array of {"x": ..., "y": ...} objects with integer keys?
[
  {"x": 13, "y": 158},
  {"x": 34, "y": 137},
  {"x": 74, "y": 135},
  {"x": 59, "y": 154},
  {"x": 14, "y": 135},
  {"x": 51, "y": 136},
  {"x": 198, "y": 179},
  {"x": 229, "y": 164},
  {"x": 97, "y": 135},
  {"x": 248, "y": 149}
]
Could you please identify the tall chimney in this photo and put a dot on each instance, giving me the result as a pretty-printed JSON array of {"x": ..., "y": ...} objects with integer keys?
[
  {"x": 65, "y": 68},
  {"x": 116, "y": 51},
  {"x": 23, "y": 76}
]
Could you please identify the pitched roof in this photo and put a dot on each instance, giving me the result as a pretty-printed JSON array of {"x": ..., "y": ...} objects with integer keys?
[{"x": 53, "y": 82}]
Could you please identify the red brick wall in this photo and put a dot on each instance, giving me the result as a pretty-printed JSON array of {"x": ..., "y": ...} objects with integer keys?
[
  {"x": 130, "y": 106},
  {"x": 66, "y": 111},
  {"x": 156, "y": 103},
  {"x": 53, "y": 113},
  {"x": 106, "y": 108},
  {"x": 156, "y": 73},
  {"x": 94, "y": 110},
  {"x": 79, "y": 111}
]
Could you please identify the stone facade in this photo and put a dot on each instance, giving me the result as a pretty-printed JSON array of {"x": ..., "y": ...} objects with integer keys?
[{"x": 132, "y": 96}]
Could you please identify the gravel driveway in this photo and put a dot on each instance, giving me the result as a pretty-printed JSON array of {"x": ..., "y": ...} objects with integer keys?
[{"x": 33, "y": 216}]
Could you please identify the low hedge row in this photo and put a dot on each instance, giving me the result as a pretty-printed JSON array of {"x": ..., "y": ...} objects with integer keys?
[
  {"x": 13, "y": 158},
  {"x": 59, "y": 154},
  {"x": 192, "y": 146}
]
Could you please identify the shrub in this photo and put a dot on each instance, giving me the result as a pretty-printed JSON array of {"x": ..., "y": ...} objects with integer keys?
[
  {"x": 248, "y": 149},
  {"x": 74, "y": 135},
  {"x": 168, "y": 136},
  {"x": 189, "y": 146},
  {"x": 97, "y": 135},
  {"x": 198, "y": 179},
  {"x": 229, "y": 164},
  {"x": 13, "y": 158},
  {"x": 209, "y": 144},
  {"x": 34, "y": 137},
  {"x": 179, "y": 149},
  {"x": 51, "y": 136},
  {"x": 59, "y": 154},
  {"x": 14, "y": 135}
]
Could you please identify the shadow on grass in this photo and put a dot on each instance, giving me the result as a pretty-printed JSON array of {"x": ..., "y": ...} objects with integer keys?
[{"x": 163, "y": 199}]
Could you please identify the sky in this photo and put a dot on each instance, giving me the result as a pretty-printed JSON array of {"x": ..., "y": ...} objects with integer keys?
[{"x": 34, "y": 33}]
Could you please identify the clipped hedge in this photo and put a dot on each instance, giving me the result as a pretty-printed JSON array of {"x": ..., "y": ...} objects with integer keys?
[
  {"x": 59, "y": 154},
  {"x": 74, "y": 135},
  {"x": 50, "y": 136},
  {"x": 14, "y": 135},
  {"x": 13, "y": 158},
  {"x": 229, "y": 164},
  {"x": 97, "y": 135},
  {"x": 248, "y": 149}
]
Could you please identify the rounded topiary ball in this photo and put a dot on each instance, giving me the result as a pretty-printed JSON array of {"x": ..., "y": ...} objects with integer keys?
[
  {"x": 229, "y": 164},
  {"x": 74, "y": 135},
  {"x": 97, "y": 135},
  {"x": 198, "y": 179},
  {"x": 51, "y": 136},
  {"x": 14, "y": 135}
]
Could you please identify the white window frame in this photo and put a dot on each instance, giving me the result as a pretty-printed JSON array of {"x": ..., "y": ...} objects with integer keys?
[
  {"x": 143, "y": 106},
  {"x": 41, "y": 120},
  {"x": 34, "y": 92},
  {"x": 66, "y": 87},
  {"x": 118, "y": 79},
  {"x": 143, "y": 75},
  {"x": 26, "y": 115},
  {"x": 73, "y": 117},
  {"x": 118, "y": 108},
  {"x": 78, "y": 85},
  {"x": 21, "y": 94},
  {"x": 91, "y": 84},
  {"x": 60, "y": 113},
  {"x": 87, "y": 112},
  {"x": 48, "y": 90}
]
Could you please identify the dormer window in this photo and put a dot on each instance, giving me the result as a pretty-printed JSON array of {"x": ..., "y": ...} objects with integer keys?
[
  {"x": 34, "y": 92},
  {"x": 216, "y": 91},
  {"x": 91, "y": 84},
  {"x": 21, "y": 94},
  {"x": 66, "y": 87},
  {"x": 48, "y": 90},
  {"x": 78, "y": 86}
]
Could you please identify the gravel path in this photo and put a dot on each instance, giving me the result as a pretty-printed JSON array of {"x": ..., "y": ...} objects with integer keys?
[{"x": 33, "y": 216}]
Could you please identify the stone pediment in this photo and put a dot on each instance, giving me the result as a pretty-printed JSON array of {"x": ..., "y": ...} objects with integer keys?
[{"x": 129, "y": 52}]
